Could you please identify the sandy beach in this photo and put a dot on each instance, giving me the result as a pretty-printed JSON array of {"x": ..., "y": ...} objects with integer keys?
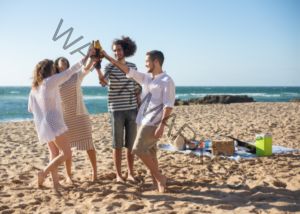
[{"x": 272, "y": 183}]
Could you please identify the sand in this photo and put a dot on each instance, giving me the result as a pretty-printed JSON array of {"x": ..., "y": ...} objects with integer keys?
[{"x": 272, "y": 184}]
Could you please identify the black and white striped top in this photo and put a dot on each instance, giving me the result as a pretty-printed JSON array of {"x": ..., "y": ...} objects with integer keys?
[{"x": 121, "y": 90}]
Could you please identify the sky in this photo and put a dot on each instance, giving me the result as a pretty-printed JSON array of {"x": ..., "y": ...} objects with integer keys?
[{"x": 205, "y": 42}]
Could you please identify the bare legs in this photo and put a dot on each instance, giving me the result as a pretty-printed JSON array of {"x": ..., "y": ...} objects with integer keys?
[
  {"x": 62, "y": 143},
  {"x": 130, "y": 162},
  {"x": 151, "y": 164},
  {"x": 117, "y": 155},
  {"x": 92, "y": 156},
  {"x": 54, "y": 152},
  {"x": 154, "y": 185},
  {"x": 68, "y": 166},
  {"x": 93, "y": 160}
]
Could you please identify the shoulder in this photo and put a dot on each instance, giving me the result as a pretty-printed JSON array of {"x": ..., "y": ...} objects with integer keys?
[
  {"x": 109, "y": 66},
  {"x": 168, "y": 80}
]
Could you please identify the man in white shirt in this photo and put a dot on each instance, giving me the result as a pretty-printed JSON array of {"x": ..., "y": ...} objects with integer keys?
[{"x": 158, "y": 97}]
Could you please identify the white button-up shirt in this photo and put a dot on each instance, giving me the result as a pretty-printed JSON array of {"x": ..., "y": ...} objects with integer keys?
[{"x": 157, "y": 94}]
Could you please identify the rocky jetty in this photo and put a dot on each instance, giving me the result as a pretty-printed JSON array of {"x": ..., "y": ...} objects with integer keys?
[
  {"x": 295, "y": 100},
  {"x": 215, "y": 99}
]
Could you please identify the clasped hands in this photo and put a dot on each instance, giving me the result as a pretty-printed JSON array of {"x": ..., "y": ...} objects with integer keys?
[{"x": 98, "y": 56}]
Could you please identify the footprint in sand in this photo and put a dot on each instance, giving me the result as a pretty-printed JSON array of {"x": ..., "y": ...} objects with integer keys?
[
  {"x": 226, "y": 206},
  {"x": 5, "y": 195},
  {"x": 17, "y": 182},
  {"x": 4, "y": 208},
  {"x": 279, "y": 184},
  {"x": 20, "y": 195},
  {"x": 115, "y": 196},
  {"x": 133, "y": 207}
]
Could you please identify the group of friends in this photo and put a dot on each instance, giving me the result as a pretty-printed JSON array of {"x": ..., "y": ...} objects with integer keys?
[{"x": 62, "y": 120}]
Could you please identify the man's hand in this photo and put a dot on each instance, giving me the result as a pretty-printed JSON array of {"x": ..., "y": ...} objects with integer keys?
[
  {"x": 106, "y": 56},
  {"x": 89, "y": 55},
  {"x": 122, "y": 67},
  {"x": 159, "y": 131},
  {"x": 97, "y": 64},
  {"x": 92, "y": 52}
]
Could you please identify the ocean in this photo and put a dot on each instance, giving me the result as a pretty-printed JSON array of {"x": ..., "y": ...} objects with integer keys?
[{"x": 14, "y": 100}]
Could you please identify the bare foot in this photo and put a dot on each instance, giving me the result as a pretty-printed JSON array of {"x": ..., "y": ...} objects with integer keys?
[
  {"x": 152, "y": 187},
  {"x": 58, "y": 186},
  {"x": 68, "y": 180},
  {"x": 132, "y": 179},
  {"x": 94, "y": 177},
  {"x": 162, "y": 184},
  {"x": 41, "y": 178},
  {"x": 119, "y": 179}
]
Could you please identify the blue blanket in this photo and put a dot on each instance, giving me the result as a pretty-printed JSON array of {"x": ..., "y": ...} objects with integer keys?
[{"x": 238, "y": 154}]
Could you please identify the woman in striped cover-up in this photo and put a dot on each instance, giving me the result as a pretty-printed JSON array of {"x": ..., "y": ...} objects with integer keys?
[{"x": 76, "y": 115}]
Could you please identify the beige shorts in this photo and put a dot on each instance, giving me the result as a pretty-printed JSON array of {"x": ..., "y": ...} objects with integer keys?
[{"x": 145, "y": 143}]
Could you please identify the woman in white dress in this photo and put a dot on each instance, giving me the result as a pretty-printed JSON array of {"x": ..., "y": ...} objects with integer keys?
[{"x": 45, "y": 104}]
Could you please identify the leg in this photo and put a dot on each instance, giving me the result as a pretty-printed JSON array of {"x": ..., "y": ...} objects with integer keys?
[
  {"x": 154, "y": 185},
  {"x": 117, "y": 120},
  {"x": 130, "y": 162},
  {"x": 130, "y": 135},
  {"x": 145, "y": 148},
  {"x": 54, "y": 152},
  {"x": 161, "y": 179},
  {"x": 93, "y": 160},
  {"x": 63, "y": 145},
  {"x": 117, "y": 154},
  {"x": 68, "y": 166}
]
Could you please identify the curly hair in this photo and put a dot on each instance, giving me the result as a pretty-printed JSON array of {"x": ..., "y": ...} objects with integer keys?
[
  {"x": 127, "y": 44},
  {"x": 41, "y": 71},
  {"x": 56, "y": 63}
]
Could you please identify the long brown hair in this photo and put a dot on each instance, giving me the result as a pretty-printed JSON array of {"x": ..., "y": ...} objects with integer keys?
[{"x": 41, "y": 71}]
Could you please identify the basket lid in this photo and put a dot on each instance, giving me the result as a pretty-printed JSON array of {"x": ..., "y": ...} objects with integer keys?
[{"x": 263, "y": 135}]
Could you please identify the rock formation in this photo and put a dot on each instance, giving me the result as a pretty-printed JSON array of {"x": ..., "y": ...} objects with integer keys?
[{"x": 215, "y": 99}]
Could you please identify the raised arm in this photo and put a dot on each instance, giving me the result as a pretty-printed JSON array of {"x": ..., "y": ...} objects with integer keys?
[
  {"x": 102, "y": 79},
  {"x": 85, "y": 70},
  {"x": 122, "y": 67},
  {"x": 58, "y": 79},
  {"x": 130, "y": 72}
]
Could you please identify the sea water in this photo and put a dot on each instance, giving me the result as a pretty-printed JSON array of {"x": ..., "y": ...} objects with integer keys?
[{"x": 14, "y": 100}]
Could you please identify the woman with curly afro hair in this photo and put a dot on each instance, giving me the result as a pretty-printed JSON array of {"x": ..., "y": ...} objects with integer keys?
[{"x": 123, "y": 100}]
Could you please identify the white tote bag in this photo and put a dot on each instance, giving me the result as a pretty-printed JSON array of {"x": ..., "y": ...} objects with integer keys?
[{"x": 177, "y": 142}]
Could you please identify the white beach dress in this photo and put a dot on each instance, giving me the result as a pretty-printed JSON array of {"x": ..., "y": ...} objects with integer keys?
[{"x": 45, "y": 104}]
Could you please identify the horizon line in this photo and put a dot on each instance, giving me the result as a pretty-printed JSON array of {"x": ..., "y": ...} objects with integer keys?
[{"x": 175, "y": 86}]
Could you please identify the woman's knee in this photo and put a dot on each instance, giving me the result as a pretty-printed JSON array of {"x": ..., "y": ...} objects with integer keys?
[
  {"x": 67, "y": 155},
  {"x": 54, "y": 154}
]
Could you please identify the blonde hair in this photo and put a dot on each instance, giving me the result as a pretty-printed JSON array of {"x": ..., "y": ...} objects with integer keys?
[{"x": 41, "y": 71}]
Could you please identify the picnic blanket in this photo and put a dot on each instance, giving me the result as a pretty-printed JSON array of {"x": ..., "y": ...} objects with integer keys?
[{"x": 238, "y": 154}]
